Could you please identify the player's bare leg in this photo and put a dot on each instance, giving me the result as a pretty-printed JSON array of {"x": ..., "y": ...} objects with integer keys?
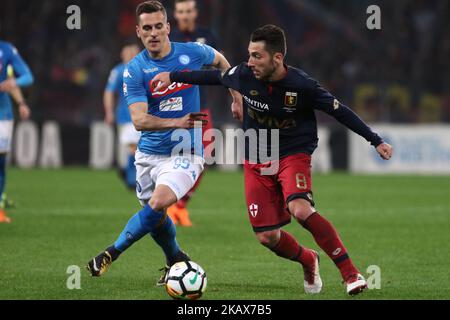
[
  {"x": 328, "y": 239},
  {"x": 284, "y": 245},
  {"x": 178, "y": 211}
]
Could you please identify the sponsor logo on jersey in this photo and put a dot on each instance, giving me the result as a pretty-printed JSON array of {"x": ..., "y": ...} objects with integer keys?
[
  {"x": 184, "y": 59},
  {"x": 271, "y": 122},
  {"x": 172, "y": 104},
  {"x": 290, "y": 99},
  {"x": 174, "y": 87},
  {"x": 151, "y": 70},
  {"x": 253, "y": 209},
  {"x": 256, "y": 104}
]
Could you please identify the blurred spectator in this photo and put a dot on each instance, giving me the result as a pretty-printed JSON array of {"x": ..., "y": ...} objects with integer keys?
[{"x": 406, "y": 63}]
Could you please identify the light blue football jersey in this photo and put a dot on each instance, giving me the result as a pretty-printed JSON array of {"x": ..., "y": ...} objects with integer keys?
[
  {"x": 24, "y": 77},
  {"x": 174, "y": 102},
  {"x": 115, "y": 85}
]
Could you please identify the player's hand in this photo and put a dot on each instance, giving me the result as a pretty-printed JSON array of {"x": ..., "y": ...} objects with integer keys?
[
  {"x": 236, "y": 105},
  {"x": 8, "y": 85},
  {"x": 188, "y": 121},
  {"x": 385, "y": 151},
  {"x": 161, "y": 81},
  {"x": 24, "y": 112},
  {"x": 236, "y": 110}
]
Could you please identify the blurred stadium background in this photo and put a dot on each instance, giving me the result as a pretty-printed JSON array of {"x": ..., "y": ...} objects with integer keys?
[
  {"x": 398, "y": 75},
  {"x": 397, "y": 79}
]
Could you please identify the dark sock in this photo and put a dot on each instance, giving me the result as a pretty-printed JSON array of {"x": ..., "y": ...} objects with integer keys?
[
  {"x": 327, "y": 238},
  {"x": 289, "y": 248}
]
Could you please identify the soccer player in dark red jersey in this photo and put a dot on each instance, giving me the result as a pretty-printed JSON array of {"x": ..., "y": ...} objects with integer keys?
[
  {"x": 187, "y": 30},
  {"x": 280, "y": 97}
]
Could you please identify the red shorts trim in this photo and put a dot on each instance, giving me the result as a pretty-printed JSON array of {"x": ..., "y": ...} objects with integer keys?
[{"x": 267, "y": 195}]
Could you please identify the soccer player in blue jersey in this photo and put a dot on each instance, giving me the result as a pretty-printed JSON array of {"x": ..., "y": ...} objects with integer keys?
[
  {"x": 128, "y": 135},
  {"x": 283, "y": 98},
  {"x": 163, "y": 174},
  {"x": 9, "y": 56}
]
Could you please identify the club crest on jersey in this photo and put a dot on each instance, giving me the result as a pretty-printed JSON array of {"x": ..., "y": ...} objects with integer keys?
[
  {"x": 290, "y": 99},
  {"x": 253, "y": 209},
  {"x": 184, "y": 59}
]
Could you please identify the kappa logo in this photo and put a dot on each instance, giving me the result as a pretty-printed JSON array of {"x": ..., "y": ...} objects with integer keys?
[
  {"x": 232, "y": 71},
  {"x": 336, "y": 104},
  {"x": 126, "y": 74},
  {"x": 253, "y": 209}
]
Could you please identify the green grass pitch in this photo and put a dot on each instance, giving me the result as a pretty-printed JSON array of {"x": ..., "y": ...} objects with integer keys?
[{"x": 64, "y": 217}]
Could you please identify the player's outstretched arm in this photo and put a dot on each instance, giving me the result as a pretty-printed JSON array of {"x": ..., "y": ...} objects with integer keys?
[
  {"x": 146, "y": 122},
  {"x": 222, "y": 63},
  {"x": 203, "y": 77}
]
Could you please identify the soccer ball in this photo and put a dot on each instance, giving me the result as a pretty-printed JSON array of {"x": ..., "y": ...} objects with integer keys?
[{"x": 186, "y": 280}]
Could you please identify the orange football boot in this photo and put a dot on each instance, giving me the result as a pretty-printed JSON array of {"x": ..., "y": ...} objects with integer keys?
[
  {"x": 183, "y": 217},
  {"x": 3, "y": 217},
  {"x": 172, "y": 213}
]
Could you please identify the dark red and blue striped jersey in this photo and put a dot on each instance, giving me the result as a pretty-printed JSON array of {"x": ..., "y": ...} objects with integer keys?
[{"x": 289, "y": 105}]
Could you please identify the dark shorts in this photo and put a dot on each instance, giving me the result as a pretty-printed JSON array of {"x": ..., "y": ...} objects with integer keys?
[{"x": 267, "y": 196}]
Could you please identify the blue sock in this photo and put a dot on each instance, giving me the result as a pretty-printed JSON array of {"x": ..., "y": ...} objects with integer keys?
[
  {"x": 164, "y": 236},
  {"x": 147, "y": 221},
  {"x": 139, "y": 225},
  {"x": 2, "y": 173},
  {"x": 130, "y": 172}
]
